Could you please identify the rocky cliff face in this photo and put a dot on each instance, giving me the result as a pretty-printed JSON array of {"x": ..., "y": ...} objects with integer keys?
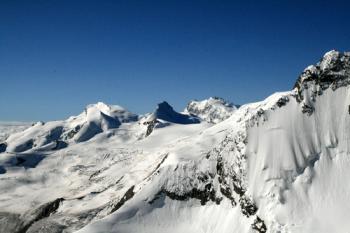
[{"x": 332, "y": 71}]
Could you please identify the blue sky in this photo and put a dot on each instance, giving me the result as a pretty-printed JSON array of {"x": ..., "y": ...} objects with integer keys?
[{"x": 58, "y": 56}]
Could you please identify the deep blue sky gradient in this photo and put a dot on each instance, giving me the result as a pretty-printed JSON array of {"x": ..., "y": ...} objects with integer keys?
[{"x": 58, "y": 56}]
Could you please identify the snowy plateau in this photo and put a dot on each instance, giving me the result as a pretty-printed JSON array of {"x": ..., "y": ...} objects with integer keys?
[{"x": 281, "y": 165}]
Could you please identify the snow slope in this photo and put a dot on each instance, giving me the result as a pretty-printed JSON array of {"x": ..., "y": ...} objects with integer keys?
[
  {"x": 95, "y": 119},
  {"x": 279, "y": 165},
  {"x": 8, "y": 128}
]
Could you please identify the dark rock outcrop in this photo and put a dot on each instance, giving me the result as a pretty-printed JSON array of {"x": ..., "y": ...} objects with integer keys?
[
  {"x": 3, "y": 147},
  {"x": 165, "y": 112},
  {"x": 128, "y": 195},
  {"x": 332, "y": 71},
  {"x": 205, "y": 195},
  {"x": 259, "y": 225}
]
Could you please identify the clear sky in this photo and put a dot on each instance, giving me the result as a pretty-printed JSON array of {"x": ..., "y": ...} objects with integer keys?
[{"x": 58, "y": 56}]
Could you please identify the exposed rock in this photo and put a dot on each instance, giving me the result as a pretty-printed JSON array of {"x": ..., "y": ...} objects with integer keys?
[
  {"x": 307, "y": 109},
  {"x": 332, "y": 71},
  {"x": 73, "y": 132},
  {"x": 247, "y": 206},
  {"x": 282, "y": 101},
  {"x": 259, "y": 225},
  {"x": 128, "y": 195},
  {"x": 43, "y": 211},
  {"x": 165, "y": 112},
  {"x": 3, "y": 147},
  {"x": 150, "y": 126},
  {"x": 208, "y": 194}
]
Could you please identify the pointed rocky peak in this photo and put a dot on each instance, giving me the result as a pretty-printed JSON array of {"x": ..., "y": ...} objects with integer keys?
[
  {"x": 166, "y": 112},
  {"x": 332, "y": 60},
  {"x": 212, "y": 110},
  {"x": 163, "y": 116},
  {"x": 333, "y": 70},
  {"x": 164, "y": 107}
]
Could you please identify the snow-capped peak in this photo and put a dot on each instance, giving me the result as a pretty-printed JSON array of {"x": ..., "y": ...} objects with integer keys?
[
  {"x": 332, "y": 68},
  {"x": 330, "y": 60},
  {"x": 333, "y": 71},
  {"x": 115, "y": 111},
  {"x": 103, "y": 107},
  {"x": 165, "y": 112},
  {"x": 212, "y": 110},
  {"x": 95, "y": 119}
]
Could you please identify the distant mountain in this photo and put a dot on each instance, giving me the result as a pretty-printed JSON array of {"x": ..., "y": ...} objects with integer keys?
[
  {"x": 212, "y": 110},
  {"x": 165, "y": 112},
  {"x": 95, "y": 119},
  {"x": 165, "y": 115},
  {"x": 278, "y": 166}
]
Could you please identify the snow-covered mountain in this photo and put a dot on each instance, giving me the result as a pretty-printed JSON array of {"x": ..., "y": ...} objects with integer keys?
[
  {"x": 279, "y": 165},
  {"x": 96, "y": 118},
  {"x": 213, "y": 110},
  {"x": 165, "y": 115},
  {"x": 8, "y": 128}
]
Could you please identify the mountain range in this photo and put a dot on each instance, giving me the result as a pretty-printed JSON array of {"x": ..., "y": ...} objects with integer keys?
[{"x": 279, "y": 165}]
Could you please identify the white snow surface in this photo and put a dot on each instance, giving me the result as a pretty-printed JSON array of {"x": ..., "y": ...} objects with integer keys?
[
  {"x": 271, "y": 164},
  {"x": 7, "y": 128}
]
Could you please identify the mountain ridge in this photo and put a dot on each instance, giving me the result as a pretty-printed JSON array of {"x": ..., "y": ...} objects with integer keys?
[{"x": 279, "y": 165}]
